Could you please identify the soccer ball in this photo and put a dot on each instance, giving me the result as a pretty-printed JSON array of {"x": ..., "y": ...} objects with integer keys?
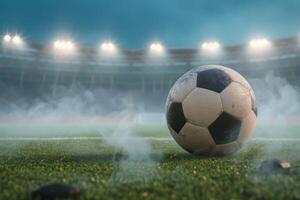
[{"x": 211, "y": 110}]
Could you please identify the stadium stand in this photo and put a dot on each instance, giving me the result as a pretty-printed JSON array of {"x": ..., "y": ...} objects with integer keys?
[{"x": 35, "y": 71}]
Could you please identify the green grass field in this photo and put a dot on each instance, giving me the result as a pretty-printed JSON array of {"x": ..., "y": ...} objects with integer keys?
[{"x": 104, "y": 171}]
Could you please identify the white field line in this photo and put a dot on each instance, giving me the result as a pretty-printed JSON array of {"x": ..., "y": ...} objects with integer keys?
[
  {"x": 81, "y": 138},
  {"x": 276, "y": 139},
  {"x": 127, "y": 138}
]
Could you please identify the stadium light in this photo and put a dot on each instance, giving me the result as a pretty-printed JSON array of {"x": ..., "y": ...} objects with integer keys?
[
  {"x": 13, "y": 41},
  {"x": 212, "y": 46},
  {"x": 64, "y": 46},
  {"x": 17, "y": 40},
  {"x": 156, "y": 48},
  {"x": 108, "y": 48},
  {"x": 260, "y": 44},
  {"x": 6, "y": 38}
]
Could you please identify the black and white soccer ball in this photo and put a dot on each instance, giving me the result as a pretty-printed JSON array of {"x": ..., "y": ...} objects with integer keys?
[{"x": 211, "y": 110}]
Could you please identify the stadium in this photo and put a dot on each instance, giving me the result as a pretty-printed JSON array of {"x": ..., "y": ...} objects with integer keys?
[
  {"x": 148, "y": 73},
  {"x": 84, "y": 121}
]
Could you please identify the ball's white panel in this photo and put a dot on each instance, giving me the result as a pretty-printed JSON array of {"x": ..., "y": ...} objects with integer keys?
[
  {"x": 196, "y": 139},
  {"x": 247, "y": 128},
  {"x": 226, "y": 149},
  {"x": 236, "y": 100},
  {"x": 253, "y": 96},
  {"x": 203, "y": 68},
  {"x": 236, "y": 77},
  {"x": 183, "y": 86},
  {"x": 202, "y": 107},
  {"x": 168, "y": 103}
]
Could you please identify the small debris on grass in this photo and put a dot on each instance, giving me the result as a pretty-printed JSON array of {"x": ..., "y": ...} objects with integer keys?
[
  {"x": 55, "y": 191},
  {"x": 145, "y": 194},
  {"x": 274, "y": 166}
]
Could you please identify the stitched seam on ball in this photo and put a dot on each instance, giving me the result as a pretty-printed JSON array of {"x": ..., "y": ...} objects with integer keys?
[{"x": 195, "y": 86}]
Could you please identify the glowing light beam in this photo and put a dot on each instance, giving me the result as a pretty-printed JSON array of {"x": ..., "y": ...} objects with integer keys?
[
  {"x": 212, "y": 46},
  {"x": 156, "y": 48},
  {"x": 260, "y": 44},
  {"x": 108, "y": 48},
  {"x": 64, "y": 45},
  {"x": 6, "y": 38},
  {"x": 17, "y": 40}
]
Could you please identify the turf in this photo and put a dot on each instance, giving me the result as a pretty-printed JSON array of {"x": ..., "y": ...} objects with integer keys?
[
  {"x": 165, "y": 172},
  {"x": 87, "y": 129},
  {"x": 78, "y": 129}
]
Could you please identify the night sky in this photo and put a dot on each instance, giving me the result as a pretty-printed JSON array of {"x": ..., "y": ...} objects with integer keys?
[{"x": 136, "y": 23}]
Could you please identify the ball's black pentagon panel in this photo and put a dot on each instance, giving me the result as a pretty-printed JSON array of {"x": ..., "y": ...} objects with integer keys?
[
  {"x": 225, "y": 129},
  {"x": 213, "y": 79},
  {"x": 175, "y": 116}
]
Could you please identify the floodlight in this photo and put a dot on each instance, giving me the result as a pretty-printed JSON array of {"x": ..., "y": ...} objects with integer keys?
[
  {"x": 57, "y": 44},
  {"x": 7, "y": 38},
  {"x": 17, "y": 40},
  {"x": 156, "y": 48},
  {"x": 69, "y": 45},
  {"x": 14, "y": 42},
  {"x": 260, "y": 44},
  {"x": 108, "y": 47},
  {"x": 211, "y": 46},
  {"x": 65, "y": 46}
]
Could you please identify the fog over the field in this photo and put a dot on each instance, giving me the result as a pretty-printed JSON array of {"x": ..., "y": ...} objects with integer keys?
[
  {"x": 65, "y": 102},
  {"x": 75, "y": 111},
  {"x": 277, "y": 99},
  {"x": 277, "y": 102},
  {"x": 278, "y": 105},
  {"x": 139, "y": 160}
]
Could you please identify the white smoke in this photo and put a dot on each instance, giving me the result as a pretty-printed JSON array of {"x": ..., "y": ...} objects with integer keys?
[
  {"x": 138, "y": 162},
  {"x": 278, "y": 103},
  {"x": 276, "y": 98},
  {"x": 77, "y": 111}
]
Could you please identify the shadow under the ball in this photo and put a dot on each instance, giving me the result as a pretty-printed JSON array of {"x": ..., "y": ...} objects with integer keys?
[{"x": 251, "y": 152}]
